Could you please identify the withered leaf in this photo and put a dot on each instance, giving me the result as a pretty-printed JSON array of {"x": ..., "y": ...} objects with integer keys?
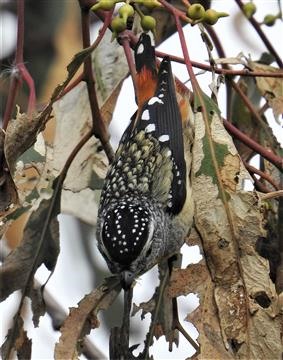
[
  {"x": 73, "y": 116},
  {"x": 110, "y": 69},
  {"x": 40, "y": 245},
  {"x": 161, "y": 302},
  {"x": 270, "y": 88},
  {"x": 21, "y": 134},
  {"x": 229, "y": 222},
  {"x": 84, "y": 318},
  {"x": 8, "y": 192},
  {"x": 17, "y": 340}
]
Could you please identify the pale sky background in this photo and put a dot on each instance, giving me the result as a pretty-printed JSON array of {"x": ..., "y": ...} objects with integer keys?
[{"x": 71, "y": 280}]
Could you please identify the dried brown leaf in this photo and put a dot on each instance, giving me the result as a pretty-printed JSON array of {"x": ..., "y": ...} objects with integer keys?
[
  {"x": 73, "y": 116},
  {"x": 270, "y": 88},
  {"x": 8, "y": 192},
  {"x": 110, "y": 69},
  {"x": 84, "y": 318},
  {"x": 161, "y": 302},
  {"x": 36, "y": 248},
  {"x": 229, "y": 222},
  {"x": 21, "y": 134},
  {"x": 185, "y": 281},
  {"x": 17, "y": 340}
]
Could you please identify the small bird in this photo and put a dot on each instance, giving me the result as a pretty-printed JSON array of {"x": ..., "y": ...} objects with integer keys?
[{"x": 146, "y": 206}]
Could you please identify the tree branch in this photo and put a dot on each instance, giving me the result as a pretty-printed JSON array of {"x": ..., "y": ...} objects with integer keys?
[
  {"x": 267, "y": 154},
  {"x": 98, "y": 125}
]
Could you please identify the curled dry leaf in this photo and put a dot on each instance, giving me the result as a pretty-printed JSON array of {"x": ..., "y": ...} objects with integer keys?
[
  {"x": 229, "y": 222},
  {"x": 21, "y": 134},
  {"x": 270, "y": 88},
  {"x": 84, "y": 318}
]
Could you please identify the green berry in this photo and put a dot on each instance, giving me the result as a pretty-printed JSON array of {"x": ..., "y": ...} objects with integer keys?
[
  {"x": 148, "y": 23},
  {"x": 269, "y": 20},
  {"x": 151, "y": 4},
  {"x": 104, "y": 5},
  {"x": 211, "y": 16},
  {"x": 118, "y": 25},
  {"x": 125, "y": 11},
  {"x": 249, "y": 9},
  {"x": 196, "y": 11}
]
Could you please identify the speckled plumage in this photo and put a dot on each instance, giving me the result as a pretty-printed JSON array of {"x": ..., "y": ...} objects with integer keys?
[{"x": 141, "y": 215}]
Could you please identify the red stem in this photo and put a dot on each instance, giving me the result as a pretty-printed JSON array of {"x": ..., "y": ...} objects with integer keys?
[
  {"x": 20, "y": 71},
  {"x": 262, "y": 174},
  {"x": 125, "y": 40},
  {"x": 252, "y": 109},
  {"x": 267, "y": 154},
  {"x": 98, "y": 126},
  {"x": 71, "y": 86},
  {"x": 245, "y": 72},
  {"x": 262, "y": 35}
]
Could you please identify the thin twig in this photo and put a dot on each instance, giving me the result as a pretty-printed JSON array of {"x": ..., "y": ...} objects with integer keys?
[
  {"x": 262, "y": 174},
  {"x": 20, "y": 71},
  {"x": 259, "y": 186},
  {"x": 178, "y": 326},
  {"x": 272, "y": 195},
  {"x": 155, "y": 315},
  {"x": 252, "y": 110},
  {"x": 262, "y": 35},
  {"x": 217, "y": 70},
  {"x": 98, "y": 127},
  {"x": 245, "y": 139},
  {"x": 125, "y": 41},
  {"x": 71, "y": 86}
]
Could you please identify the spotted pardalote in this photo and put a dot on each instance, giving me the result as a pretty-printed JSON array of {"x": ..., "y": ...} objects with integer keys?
[{"x": 146, "y": 206}]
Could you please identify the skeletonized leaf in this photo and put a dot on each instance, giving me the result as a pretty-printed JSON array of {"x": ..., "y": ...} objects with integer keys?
[
  {"x": 270, "y": 88},
  {"x": 84, "y": 318},
  {"x": 229, "y": 222}
]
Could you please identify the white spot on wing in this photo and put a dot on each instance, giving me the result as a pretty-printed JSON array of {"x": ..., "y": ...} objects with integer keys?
[
  {"x": 145, "y": 115},
  {"x": 169, "y": 153},
  {"x": 140, "y": 49},
  {"x": 150, "y": 128},
  {"x": 155, "y": 99},
  {"x": 163, "y": 138}
]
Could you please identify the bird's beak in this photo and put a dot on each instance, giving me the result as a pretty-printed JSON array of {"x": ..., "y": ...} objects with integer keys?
[{"x": 127, "y": 278}]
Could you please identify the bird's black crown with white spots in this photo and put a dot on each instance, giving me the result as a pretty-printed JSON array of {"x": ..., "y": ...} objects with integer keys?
[{"x": 145, "y": 188}]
